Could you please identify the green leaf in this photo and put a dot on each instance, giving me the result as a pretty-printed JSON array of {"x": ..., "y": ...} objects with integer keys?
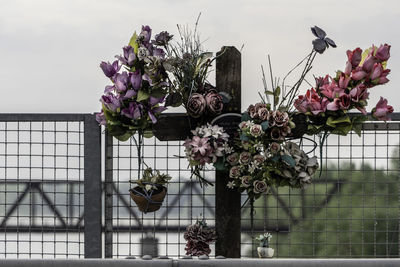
[
  {"x": 123, "y": 137},
  {"x": 148, "y": 134},
  {"x": 342, "y": 130},
  {"x": 264, "y": 125},
  {"x": 333, "y": 121},
  {"x": 142, "y": 96},
  {"x": 278, "y": 91},
  {"x": 133, "y": 43},
  {"x": 244, "y": 137},
  {"x": 269, "y": 92},
  {"x": 157, "y": 93},
  {"x": 219, "y": 164},
  {"x": 246, "y": 116},
  {"x": 289, "y": 160}
]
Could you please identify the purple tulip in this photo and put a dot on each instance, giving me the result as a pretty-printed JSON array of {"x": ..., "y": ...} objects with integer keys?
[
  {"x": 111, "y": 102},
  {"x": 154, "y": 101},
  {"x": 110, "y": 69},
  {"x": 121, "y": 81},
  {"x": 136, "y": 80},
  {"x": 133, "y": 111},
  {"x": 109, "y": 89},
  {"x": 129, "y": 56},
  {"x": 145, "y": 35},
  {"x": 383, "y": 52},
  {"x": 100, "y": 118}
]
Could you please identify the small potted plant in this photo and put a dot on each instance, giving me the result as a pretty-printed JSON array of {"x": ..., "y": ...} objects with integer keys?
[
  {"x": 264, "y": 251},
  {"x": 150, "y": 191}
]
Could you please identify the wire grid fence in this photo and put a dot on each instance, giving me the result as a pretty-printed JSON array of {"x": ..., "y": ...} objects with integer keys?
[
  {"x": 350, "y": 211},
  {"x": 41, "y": 189},
  {"x": 160, "y": 232}
]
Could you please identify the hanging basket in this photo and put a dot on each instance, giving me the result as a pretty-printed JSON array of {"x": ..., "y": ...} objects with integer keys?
[{"x": 148, "y": 201}]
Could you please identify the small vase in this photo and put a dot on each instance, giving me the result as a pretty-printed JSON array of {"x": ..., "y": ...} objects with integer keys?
[
  {"x": 148, "y": 202},
  {"x": 264, "y": 252}
]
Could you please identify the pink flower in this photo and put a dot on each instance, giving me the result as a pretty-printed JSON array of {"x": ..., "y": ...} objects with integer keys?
[
  {"x": 383, "y": 78},
  {"x": 381, "y": 110},
  {"x": 354, "y": 57},
  {"x": 376, "y": 71},
  {"x": 358, "y": 73},
  {"x": 383, "y": 52},
  {"x": 332, "y": 90},
  {"x": 369, "y": 63},
  {"x": 322, "y": 81},
  {"x": 344, "y": 103},
  {"x": 344, "y": 81},
  {"x": 334, "y": 105},
  {"x": 200, "y": 145},
  {"x": 301, "y": 104},
  {"x": 359, "y": 93}
]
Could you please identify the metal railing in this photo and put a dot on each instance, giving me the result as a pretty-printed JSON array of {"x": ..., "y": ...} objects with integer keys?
[{"x": 51, "y": 195}]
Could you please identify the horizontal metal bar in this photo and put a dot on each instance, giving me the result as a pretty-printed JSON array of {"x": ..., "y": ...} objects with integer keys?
[{"x": 42, "y": 116}]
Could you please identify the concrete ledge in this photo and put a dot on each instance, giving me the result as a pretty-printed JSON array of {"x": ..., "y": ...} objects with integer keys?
[
  {"x": 202, "y": 263},
  {"x": 85, "y": 263}
]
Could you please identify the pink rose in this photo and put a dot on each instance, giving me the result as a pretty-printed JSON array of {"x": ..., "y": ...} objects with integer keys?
[
  {"x": 383, "y": 52},
  {"x": 233, "y": 159},
  {"x": 246, "y": 181},
  {"x": 214, "y": 102},
  {"x": 252, "y": 112},
  {"x": 234, "y": 172},
  {"x": 263, "y": 114},
  {"x": 260, "y": 186},
  {"x": 281, "y": 118},
  {"x": 274, "y": 147},
  {"x": 256, "y": 130},
  {"x": 381, "y": 110},
  {"x": 196, "y": 105},
  {"x": 245, "y": 158},
  {"x": 258, "y": 159}
]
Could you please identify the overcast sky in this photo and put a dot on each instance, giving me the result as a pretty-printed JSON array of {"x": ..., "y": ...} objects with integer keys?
[{"x": 50, "y": 50}]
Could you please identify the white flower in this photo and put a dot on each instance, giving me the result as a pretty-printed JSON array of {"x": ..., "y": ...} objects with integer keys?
[
  {"x": 143, "y": 53},
  {"x": 258, "y": 146},
  {"x": 230, "y": 185},
  {"x": 252, "y": 167},
  {"x": 228, "y": 149},
  {"x": 148, "y": 187}
]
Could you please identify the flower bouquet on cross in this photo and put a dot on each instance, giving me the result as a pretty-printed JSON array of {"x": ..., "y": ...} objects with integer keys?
[
  {"x": 135, "y": 98},
  {"x": 266, "y": 154},
  {"x": 199, "y": 236}
]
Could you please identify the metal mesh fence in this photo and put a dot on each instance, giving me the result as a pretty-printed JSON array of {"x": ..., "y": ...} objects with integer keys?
[
  {"x": 351, "y": 209},
  {"x": 41, "y": 189},
  {"x": 161, "y": 232}
]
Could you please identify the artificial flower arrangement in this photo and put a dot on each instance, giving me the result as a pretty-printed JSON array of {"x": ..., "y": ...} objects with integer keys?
[
  {"x": 150, "y": 191},
  {"x": 264, "y": 251},
  {"x": 190, "y": 65},
  {"x": 208, "y": 145},
  {"x": 134, "y": 100},
  {"x": 199, "y": 236},
  {"x": 266, "y": 154}
]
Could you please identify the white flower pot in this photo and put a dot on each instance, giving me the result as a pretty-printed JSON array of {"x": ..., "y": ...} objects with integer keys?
[{"x": 264, "y": 252}]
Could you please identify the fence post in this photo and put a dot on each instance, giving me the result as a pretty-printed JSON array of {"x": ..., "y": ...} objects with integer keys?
[
  {"x": 108, "y": 197},
  {"x": 92, "y": 187},
  {"x": 227, "y": 202}
]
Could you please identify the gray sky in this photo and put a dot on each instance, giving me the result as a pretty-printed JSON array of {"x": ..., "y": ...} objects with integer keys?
[{"x": 50, "y": 50}]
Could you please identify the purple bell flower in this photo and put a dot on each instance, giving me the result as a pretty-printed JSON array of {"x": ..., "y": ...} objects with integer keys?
[
  {"x": 111, "y": 102},
  {"x": 110, "y": 69},
  {"x": 129, "y": 56},
  {"x": 136, "y": 80},
  {"x": 121, "y": 81},
  {"x": 133, "y": 111}
]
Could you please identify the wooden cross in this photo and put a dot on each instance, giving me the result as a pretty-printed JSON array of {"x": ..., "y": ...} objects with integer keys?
[{"x": 176, "y": 126}]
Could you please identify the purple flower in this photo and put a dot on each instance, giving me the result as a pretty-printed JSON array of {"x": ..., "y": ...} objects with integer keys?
[
  {"x": 382, "y": 110},
  {"x": 162, "y": 38},
  {"x": 121, "y": 81},
  {"x": 109, "y": 89},
  {"x": 158, "y": 52},
  {"x": 100, "y": 118},
  {"x": 110, "y": 69},
  {"x": 129, "y": 94},
  {"x": 136, "y": 80},
  {"x": 145, "y": 35},
  {"x": 129, "y": 56},
  {"x": 133, "y": 111},
  {"x": 154, "y": 101},
  {"x": 155, "y": 111},
  {"x": 111, "y": 102}
]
